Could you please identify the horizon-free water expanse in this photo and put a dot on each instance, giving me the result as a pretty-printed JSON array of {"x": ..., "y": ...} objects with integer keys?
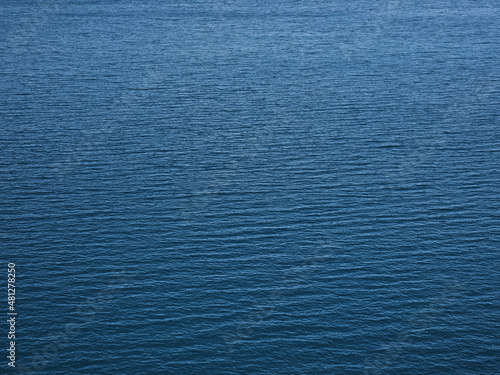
[{"x": 252, "y": 187}]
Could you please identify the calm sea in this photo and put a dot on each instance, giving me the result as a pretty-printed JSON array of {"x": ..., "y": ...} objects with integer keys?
[{"x": 251, "y": 187}]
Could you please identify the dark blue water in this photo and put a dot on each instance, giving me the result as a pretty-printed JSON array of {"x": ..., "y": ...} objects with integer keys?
[{"x": 251, "y": 187}]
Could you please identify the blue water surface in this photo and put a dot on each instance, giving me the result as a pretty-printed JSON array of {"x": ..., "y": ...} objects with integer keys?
[{"x": 251, "y": 187}]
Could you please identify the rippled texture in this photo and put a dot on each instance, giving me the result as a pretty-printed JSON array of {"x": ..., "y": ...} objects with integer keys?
[{"x": 252, "y": 187}]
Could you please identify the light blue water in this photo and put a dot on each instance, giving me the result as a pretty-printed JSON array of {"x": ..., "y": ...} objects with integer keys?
[{"x": 252, "y": 187}]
